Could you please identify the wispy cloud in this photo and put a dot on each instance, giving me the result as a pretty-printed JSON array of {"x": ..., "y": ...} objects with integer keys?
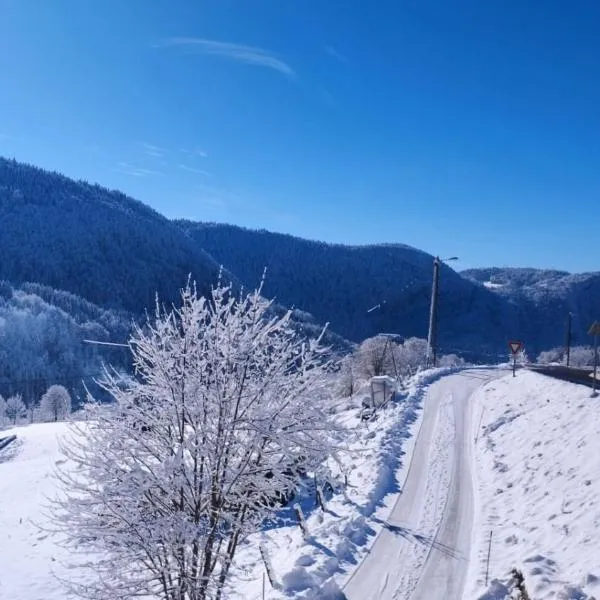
[
  {"x": 335, "y": 53},
  {"x": 194, "y": 170},
  {"x": 239, "y": 52},
  {"x": 195, "y": 152},
  {"x": 152, "y": 150},
  {"x": 127, "y": 169}
]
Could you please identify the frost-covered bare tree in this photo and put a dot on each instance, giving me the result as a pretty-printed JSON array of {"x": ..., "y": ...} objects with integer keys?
[
  {"x": 412, "y": 355},
  {"x": 451, "y": 360},
  {"x": 375, "y": 357},
  {"x": 555, "y": 355},
  {"x": 348, "y": 376},
  {"x": 582, "y": 356},
  {"x": 14, "y": 409},
  {"x": 223, "y": 419},
  {"x": 55, "y": 404}
]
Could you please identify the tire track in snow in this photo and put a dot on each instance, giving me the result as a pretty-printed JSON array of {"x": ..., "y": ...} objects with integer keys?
[{"x": 422, "y": 543}]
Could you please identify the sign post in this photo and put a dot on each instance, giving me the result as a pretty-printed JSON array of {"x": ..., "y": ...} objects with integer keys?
[
  {"x": 514, "y": 348},
  {"x": 595, "y": 331}
]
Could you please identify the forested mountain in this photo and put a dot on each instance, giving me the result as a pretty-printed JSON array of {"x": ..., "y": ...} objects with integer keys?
[
  {"x": 41, "y": 341},
  {"x": 112, "y": 252},
  {"x": 99, "y": 244},
  {"x": 340, "y": 284},
  {"x": 544, "y": 298}
]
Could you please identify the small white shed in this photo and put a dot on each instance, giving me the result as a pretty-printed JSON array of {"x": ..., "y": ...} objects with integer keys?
[{"x": 382, "y": 390}]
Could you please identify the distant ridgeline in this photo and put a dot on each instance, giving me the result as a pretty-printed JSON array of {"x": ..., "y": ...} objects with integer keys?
[
  {"x": 99, "y": 244},
  {"x": 479, "y": 309},
  {"x": 118, "y": 254}
]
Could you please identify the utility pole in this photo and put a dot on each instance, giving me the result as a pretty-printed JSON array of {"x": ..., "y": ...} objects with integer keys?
[
  {"x": 433, "y": 309},
  {"x": 595, "y": 331},
  {"x": 568, "y": 339},
  {"x": 594, "y": 392}
]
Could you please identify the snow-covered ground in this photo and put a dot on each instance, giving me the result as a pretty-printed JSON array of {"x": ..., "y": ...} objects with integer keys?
[
  {"x": 529, "y": 443},
  {"x": 375, "y": 458},
  {"x": 376, "y": 463},
  {"x": 422, "y": 552},
  {"x": 538, "y": 489},
  {"x": 492, "y": 286},
  {"x": 28, "y": 555}
]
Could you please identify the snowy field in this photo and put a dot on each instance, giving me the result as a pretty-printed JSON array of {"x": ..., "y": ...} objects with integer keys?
[
  {"x": 533, "y": 449},
  {"x": 375, "y": 458},
  {"x": 538, "y": 489},
  {"x": 28, "y": 555}
]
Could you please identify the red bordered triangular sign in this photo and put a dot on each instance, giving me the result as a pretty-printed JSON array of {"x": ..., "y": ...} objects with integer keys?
[{"x": 515, "y": 346}]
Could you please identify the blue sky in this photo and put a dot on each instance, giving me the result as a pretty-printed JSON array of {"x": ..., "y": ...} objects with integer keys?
[{"x": 463, "y": 128}]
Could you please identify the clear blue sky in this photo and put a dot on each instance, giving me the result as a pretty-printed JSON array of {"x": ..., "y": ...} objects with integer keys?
[{"x": 464, "y": 128}]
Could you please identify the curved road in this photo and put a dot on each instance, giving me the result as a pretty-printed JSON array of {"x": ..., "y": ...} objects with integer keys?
[{"x": 422, "y": 551}]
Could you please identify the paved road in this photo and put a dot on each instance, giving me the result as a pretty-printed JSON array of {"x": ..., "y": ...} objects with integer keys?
[
  {"x": 581, "y": 376},
  {"x": 427, "y": 535}
]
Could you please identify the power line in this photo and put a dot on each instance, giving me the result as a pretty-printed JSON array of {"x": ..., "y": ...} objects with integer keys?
[{"x": 106, "y": 343}]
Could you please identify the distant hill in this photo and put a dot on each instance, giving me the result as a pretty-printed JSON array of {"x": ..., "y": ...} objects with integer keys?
[
  {"x": 544, "y": 298},
  {"x": 340, "y": 284},
  {"x": 108, "y": 248},
  {"x": 117, "y": 253},
  {"x": 41, "y": 341}
]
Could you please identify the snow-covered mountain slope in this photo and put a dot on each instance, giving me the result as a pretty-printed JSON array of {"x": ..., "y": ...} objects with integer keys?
[
  {"x": 537, "y": 471},
  {"x": 543, "y": 298},
  {"x": 339, "y": 284},
  {"x": 29, "y": 556}
]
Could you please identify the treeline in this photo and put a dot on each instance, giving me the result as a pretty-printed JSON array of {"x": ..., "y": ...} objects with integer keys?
[{"x": 42, "y": 333}]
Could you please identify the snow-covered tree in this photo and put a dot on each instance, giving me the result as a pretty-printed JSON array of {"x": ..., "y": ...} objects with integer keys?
[
  {"x": 347, "y": 377},
  {"x": 55, "y": 404},
  {"x": 520, "y": 358},
  {"x": 222, "y": 421},
  {"x": 451, "y": 360},
  {"x": 375, "y": 356},
  {"x": 554, "y": 355},
  {"x": 412, "y": 355},
  {"x": 579, "y": 356},
  {"x": 582, "y": 356},
  {"x": 14, "y": 409},
  {"x": 2, "y": 410},
  {"x": 32, "y": 410}
]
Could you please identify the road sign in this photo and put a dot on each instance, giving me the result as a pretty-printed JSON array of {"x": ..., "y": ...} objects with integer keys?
[
  {"x": 595, "y": 328},
  {"x": 515, "y": 346}
]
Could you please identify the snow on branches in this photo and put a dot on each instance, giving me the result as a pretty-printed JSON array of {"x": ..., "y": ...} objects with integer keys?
[
  {"x": 14, "y": 409},
  {"x": 222, "y": 422},
  {"x": 55, "y": 404}
]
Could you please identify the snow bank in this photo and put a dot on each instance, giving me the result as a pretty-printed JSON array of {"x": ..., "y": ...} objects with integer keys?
[
  {"x": 375, "y": 462},
  {"x": 538, "y": 489}
]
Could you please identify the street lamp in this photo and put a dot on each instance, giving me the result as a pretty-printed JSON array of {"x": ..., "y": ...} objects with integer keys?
[{"x": 433, "y": 310}]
